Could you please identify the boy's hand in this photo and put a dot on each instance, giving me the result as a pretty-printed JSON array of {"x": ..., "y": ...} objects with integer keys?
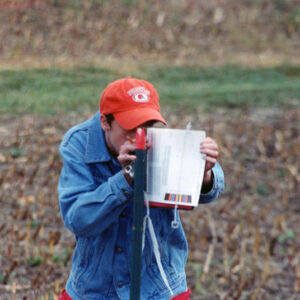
[
  {"x": 210, "y": 148},
  {"x": 126, "y": 156},
  {"x": 127, "y": 153}
]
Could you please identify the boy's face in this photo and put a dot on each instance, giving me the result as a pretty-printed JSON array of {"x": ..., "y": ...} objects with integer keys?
[{"x": 116, "y": 136}]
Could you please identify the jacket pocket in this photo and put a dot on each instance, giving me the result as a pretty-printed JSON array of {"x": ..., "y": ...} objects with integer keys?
[
  {"x": 97, "y": 257},
  {"x": 82, "y": 255},
  {"x": 172, "y": 244},
  {"x": 173, "y": 277},
  {"x": 153, "y": 266}
]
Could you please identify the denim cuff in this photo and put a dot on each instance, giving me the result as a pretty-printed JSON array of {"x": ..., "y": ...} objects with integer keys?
[
  {"x": 217, "y": 188},
  {"x": 120, "y": 187}
]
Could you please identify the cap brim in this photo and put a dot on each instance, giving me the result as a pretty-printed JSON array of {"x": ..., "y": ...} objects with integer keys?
[{"x": 131, "y": 119}]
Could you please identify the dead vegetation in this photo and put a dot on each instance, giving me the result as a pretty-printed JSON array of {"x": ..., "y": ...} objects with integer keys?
[
  {"x": 203, "y": 32},
  {"x": 244, "y": 246}
]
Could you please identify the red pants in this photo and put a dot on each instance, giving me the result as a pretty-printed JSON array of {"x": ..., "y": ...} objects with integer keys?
[
  {"x": 64, "y": 295},
  {"x": 184, "y": 296}
]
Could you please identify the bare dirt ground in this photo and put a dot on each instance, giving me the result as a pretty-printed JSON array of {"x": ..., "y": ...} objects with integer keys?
[{"x": 243, "y": 246}]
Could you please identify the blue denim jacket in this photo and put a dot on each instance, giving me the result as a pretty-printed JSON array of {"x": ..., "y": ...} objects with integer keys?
[{"x": 96, "y": 205}]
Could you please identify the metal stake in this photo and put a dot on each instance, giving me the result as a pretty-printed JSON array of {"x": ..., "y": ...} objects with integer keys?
[{"x": 137, "y": 223}]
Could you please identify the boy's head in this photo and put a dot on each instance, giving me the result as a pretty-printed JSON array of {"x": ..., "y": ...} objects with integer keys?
[
  {"x": 126, "y": 104},
  {"x": 132, "y": 102}
]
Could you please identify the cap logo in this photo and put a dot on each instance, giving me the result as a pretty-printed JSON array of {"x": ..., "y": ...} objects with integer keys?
[{"x": 139, "y": 94}]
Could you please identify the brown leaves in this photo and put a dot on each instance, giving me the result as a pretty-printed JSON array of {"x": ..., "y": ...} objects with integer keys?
[
  {"x": 243, "y": 246},
  {"x": 30, "y": 225},
  {"x": 25, "y": 200},
  {"x": 181, "y": 30},
  {"x": 257, "y": 217}
]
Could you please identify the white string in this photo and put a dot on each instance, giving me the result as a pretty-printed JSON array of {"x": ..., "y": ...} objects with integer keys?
[
  {"x": 147, "y": 220},
  {"x": 145, "y": 224},
  {"x": 175, "y": 223},
  {"x": 188, "y": 126}
]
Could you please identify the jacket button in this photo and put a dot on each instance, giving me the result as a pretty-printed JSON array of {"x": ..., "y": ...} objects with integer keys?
[
  {"x": 120, "y": 284},
  {"x": 119, "y": 250},
  {"x": 126, "y": 193}
]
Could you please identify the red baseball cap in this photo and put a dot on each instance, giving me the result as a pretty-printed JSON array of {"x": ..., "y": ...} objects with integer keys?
[{"x": 132, "y": 102}]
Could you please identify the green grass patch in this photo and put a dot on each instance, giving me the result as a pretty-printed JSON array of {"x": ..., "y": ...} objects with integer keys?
[
  {"x": 51, "y": 91},
  {"x": 34, "y": 261}
]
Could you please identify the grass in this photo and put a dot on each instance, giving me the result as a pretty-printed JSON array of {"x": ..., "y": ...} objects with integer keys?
[{"x": 51, "y": 91}]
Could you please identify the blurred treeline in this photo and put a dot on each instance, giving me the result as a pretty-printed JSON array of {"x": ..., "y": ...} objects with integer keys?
[{"x": 175, "y": 29}]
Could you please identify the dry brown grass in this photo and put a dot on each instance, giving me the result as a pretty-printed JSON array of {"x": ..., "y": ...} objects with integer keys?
[{"x": 178, "y": 32}]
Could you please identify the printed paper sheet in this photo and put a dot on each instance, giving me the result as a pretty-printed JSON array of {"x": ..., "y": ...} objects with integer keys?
[{"x": 175, "y": 166}]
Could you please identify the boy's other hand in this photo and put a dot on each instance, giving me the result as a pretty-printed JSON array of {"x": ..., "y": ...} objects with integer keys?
[{"x": 211, "y": 150}]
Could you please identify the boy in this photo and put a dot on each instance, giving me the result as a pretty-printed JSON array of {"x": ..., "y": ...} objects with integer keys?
[{"x": 95, "y": 196}]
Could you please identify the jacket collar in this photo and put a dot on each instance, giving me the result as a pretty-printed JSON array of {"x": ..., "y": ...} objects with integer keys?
[{"x": 96, "y": 150}]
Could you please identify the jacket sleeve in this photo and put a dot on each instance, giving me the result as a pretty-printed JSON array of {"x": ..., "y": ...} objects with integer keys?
[
  {"x": 88, "y": 209},
  {"x": 218, "y": 185}
]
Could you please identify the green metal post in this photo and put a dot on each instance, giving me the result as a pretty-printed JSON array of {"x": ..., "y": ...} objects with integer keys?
[{"x": 137, "y": 223}]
